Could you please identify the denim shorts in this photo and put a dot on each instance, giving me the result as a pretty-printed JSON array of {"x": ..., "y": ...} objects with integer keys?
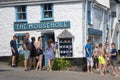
[{"x": 26, "y": 54}]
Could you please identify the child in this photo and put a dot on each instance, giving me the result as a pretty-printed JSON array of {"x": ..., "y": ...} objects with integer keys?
[
  {"x": 113, "y": 60},
  {"x": 50, "y": 53}
]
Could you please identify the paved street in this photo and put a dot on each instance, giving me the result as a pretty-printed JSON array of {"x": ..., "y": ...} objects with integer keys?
[{"x": 8, "y": 73}]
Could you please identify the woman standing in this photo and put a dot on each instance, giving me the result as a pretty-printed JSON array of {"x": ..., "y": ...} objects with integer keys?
[
  {"x": 95, "y": 56},
  {"x": 33, "y": 53},
  {"x": 50, "y": 53},
  {"x": 107, "y": 58},
  {"x": 39, "y": 52}
]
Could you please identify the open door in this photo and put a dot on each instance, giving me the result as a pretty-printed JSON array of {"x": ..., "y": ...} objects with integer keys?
[{"x": 46, "y": 37}]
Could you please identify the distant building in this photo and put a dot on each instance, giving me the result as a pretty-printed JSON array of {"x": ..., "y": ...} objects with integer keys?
[
  {"x": 68, "y": 22},
  {"x": 115, "y": 22}
]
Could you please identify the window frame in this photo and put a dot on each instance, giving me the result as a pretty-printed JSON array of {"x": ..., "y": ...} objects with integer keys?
[
  {"x": 42, "y": 12},
  {"x": 19, "y": 35},
  {"x": 89, "y": 13},
  {"x": 16, "y": 12}
]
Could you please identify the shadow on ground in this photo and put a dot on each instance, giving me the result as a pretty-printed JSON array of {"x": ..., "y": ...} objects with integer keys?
[{"x": 3, "y": 70}]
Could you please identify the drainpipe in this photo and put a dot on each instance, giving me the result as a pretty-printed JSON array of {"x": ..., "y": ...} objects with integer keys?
[
  {"x": 86, "y": 36},
  {"x": 85, "y": 28}
]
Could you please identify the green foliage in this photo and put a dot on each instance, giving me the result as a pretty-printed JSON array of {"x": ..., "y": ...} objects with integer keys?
[
  {"x": 61, "y": 64},
  {"x": 20, "y": 60}
]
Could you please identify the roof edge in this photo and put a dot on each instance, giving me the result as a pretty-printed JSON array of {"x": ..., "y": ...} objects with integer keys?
[{"x": 14, "y": 3}]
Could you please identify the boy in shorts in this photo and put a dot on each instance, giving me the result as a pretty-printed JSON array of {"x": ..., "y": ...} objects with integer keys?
[
  {"x": 101, "y": 59},
  {"x": 113, "y": 60}
]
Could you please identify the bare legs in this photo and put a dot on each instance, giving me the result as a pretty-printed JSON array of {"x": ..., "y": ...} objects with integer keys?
[
  {"x": 89, "y": 65},
  {"x": 102, "y": 69},
  {"x": 49, "y": 65},
  {"x": 39, "y": 63},
  {"x": 32, "y": 63},
  {"x": 114, "y": 69},
  {"x": 13, "y": 60},
  {"x": 89, "y": 69},
  {"x": 26, "y": 64}
]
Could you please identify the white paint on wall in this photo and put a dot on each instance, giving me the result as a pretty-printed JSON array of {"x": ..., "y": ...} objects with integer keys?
[
  {"x": 72, "y": 12},
  {"x": 7, "y": 19},
  {"x": 104, "y": 2}
]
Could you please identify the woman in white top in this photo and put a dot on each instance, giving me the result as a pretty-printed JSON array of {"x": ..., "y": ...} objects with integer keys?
[
  {"x": 39, "y": 52},
  {"x": 95, "y": 56},
  {"x": 107, "y": 58}
]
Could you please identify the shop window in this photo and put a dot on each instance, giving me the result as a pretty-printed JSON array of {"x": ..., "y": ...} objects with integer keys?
[
  {"x": 21, "y": 14},
  {"x": 66, "y": 47},
  {"x": 20, "y": 38},
  {"x": 47, "y": 12},
  {"x": 89, "y": 13}
]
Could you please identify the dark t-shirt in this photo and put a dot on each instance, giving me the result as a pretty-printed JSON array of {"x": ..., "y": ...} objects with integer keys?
[
  {"x": 13, "y": 45},
  {"x": 114, "y": 57},
  {"x": 27, "y": 43}
]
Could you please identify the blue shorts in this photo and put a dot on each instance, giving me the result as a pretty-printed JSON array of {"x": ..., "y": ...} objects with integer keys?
[{"x": 26, "y": 54}]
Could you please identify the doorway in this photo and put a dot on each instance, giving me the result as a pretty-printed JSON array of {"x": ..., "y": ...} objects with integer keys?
[
  {"x": 46, "y": 37},
  {"x": 95, "y": 39}
]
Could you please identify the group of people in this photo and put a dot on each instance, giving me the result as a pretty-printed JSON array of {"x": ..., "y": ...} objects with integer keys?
[
  {"x": 102, "y": 57},
  {"x": 33, "y": 51}
]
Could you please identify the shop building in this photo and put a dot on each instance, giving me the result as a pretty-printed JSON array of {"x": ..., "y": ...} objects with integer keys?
[
  {"x": 68, "y": 22},
  {"x": 115, "y": 22}
]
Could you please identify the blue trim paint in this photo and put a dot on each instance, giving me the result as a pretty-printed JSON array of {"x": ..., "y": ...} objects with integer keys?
[
  {"x": 42, "y": 13},
  {"x": 92, "y": 31},
  {"x": 89, "y": 15},
  {"x": 17, "y": 20},
  {"x": 19, "y": 34}
]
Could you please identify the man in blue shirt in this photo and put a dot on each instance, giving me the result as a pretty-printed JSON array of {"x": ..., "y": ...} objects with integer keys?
[
  {"x": 89, "y": 59},
  {"x": 114, "y": 60}
]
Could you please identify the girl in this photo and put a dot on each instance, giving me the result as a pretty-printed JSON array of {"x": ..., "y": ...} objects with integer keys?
[{"x": 50, "y": 53}]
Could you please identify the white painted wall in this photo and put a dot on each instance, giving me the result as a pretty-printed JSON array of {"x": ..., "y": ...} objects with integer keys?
[
  {"x": 62, "y": 12},
  {"x": 7, "y": 19},
  {"x": 104, "y": 2},
  {"x": 72, "y": 12}
]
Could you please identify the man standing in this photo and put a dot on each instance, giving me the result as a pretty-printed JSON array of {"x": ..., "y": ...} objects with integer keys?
[
  {"x": 89, "y": 59},
  {"x": 14, "y": 51},
  {"x": 27, "y": 47}
]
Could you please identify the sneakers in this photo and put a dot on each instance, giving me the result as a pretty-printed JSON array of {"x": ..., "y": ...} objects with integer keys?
[{"x": 13, "y": 65}]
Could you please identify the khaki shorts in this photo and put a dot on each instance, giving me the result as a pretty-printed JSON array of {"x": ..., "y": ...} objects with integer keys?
[{"x": 113, "y": 62}]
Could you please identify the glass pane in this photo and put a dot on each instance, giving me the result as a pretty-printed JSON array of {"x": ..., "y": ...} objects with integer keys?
[
  {"x": 21, "y": 8},
  {"x": 49, "y": 6},
  {"x": 50, "y": 14},
  {"x": 24, "y": 15},
  {"x": 21, "y": 16},
  {"x": 45, "y": 7},
  {"x": 46, "y": 15}
]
